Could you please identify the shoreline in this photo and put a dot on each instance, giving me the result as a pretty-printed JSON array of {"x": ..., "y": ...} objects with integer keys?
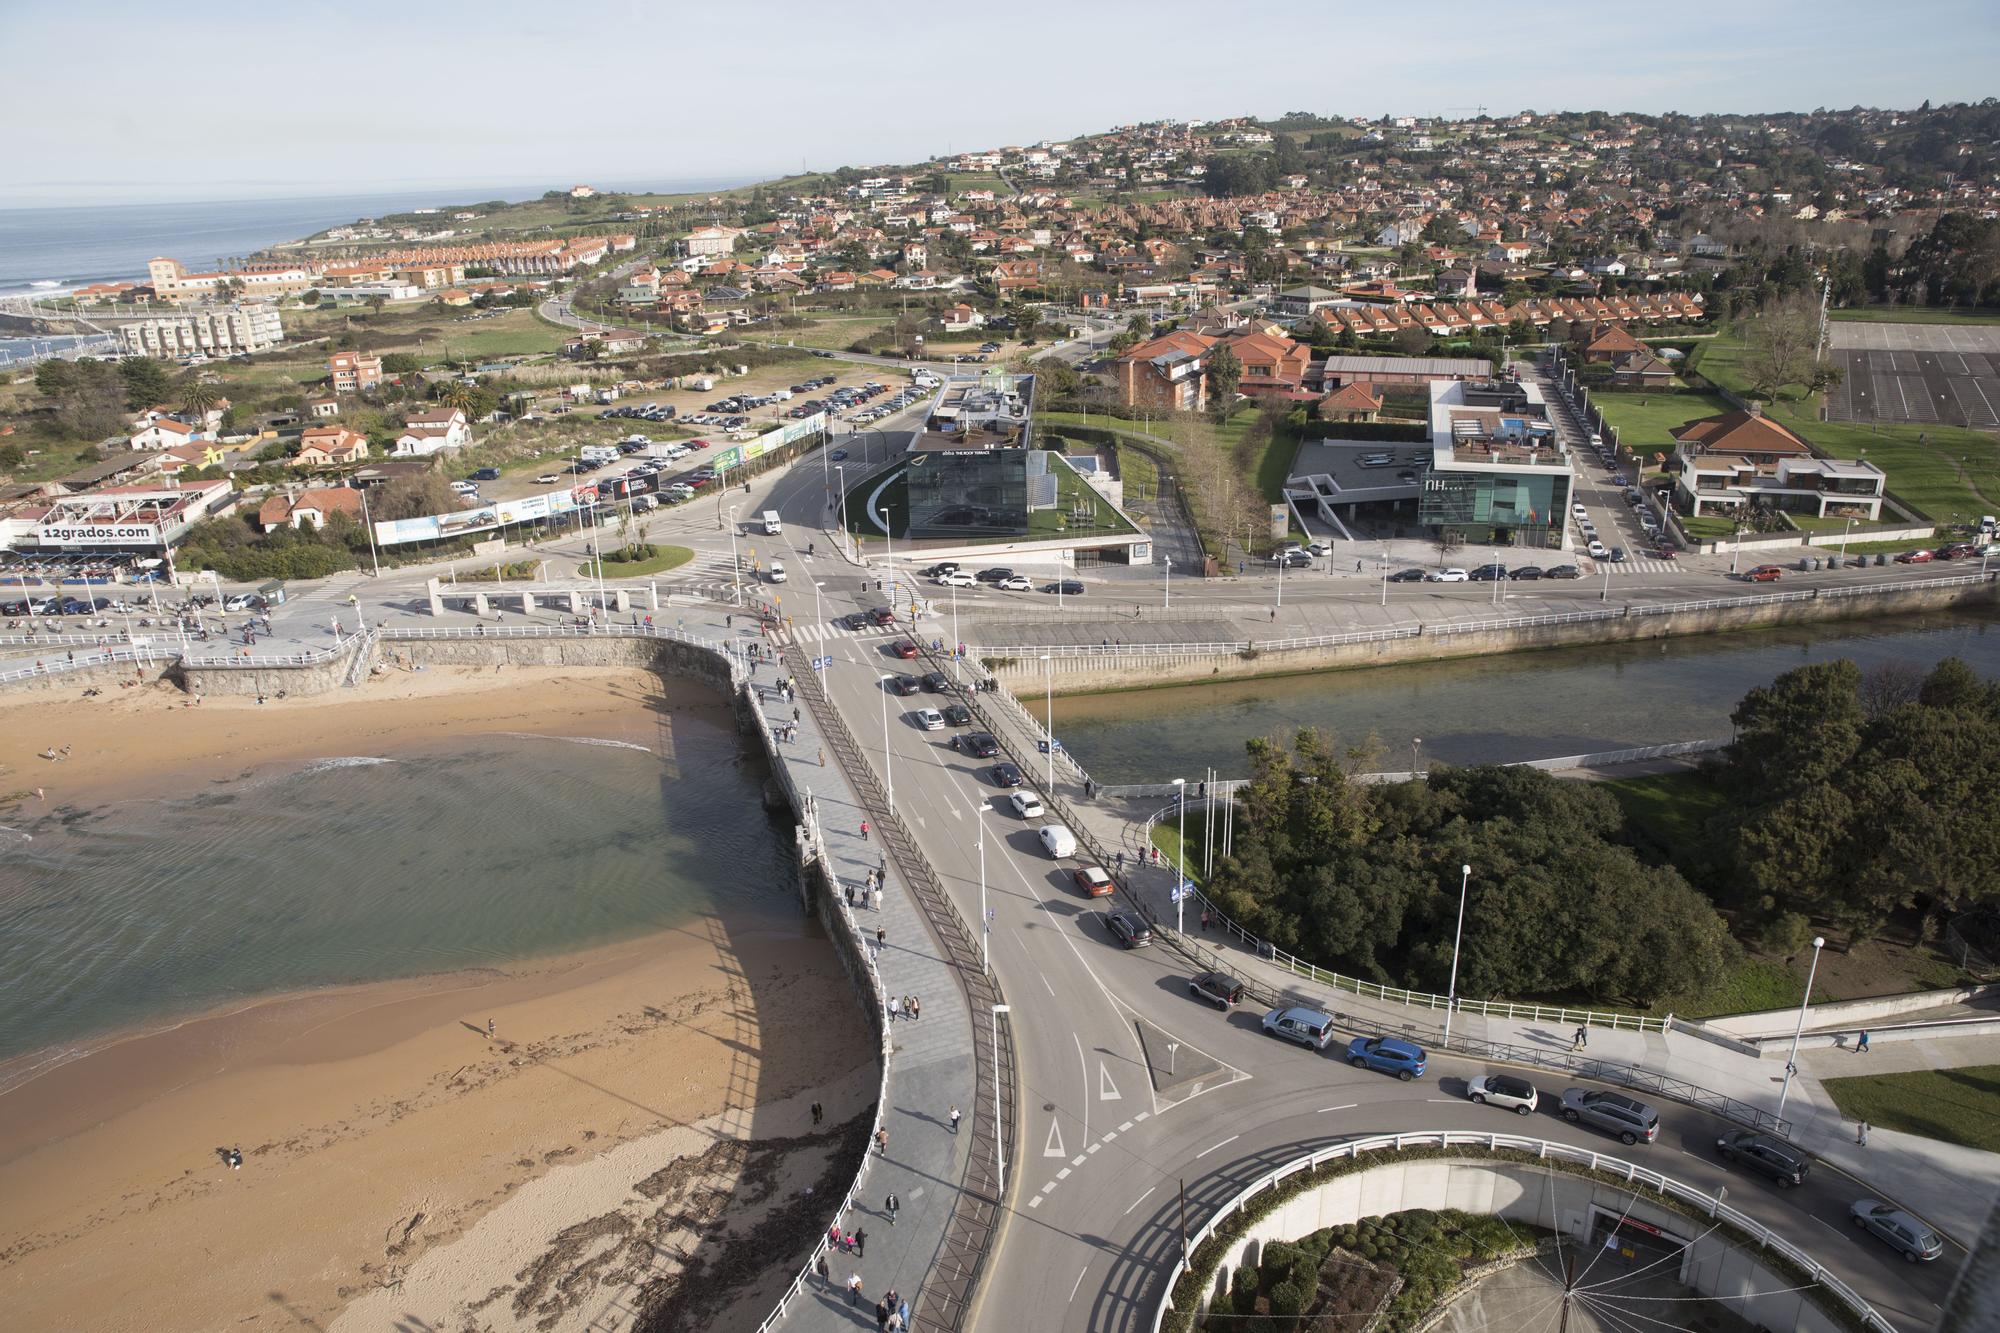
[{"x": 385, "y": 1137}]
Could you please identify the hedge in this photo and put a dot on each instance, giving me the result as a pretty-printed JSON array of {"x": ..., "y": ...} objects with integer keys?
[{"x": 1402, "y": 432}]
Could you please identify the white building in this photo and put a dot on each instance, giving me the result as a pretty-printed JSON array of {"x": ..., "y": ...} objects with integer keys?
[{"x": 220, "y": 331}]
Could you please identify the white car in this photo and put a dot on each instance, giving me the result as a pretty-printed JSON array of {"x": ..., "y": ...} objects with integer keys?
[
  {"x": 547, "y": 479},
  {"x": 957, "y": 578},
  {"x": 1504, "y": 1090},
  {"x": 1018, "y": 583},
  {"x": 1450, "y": 576},
  {"x": 929, "y": 719},
  {"x": 240, "y": 602},
  {"x": 1026, "y": 804},
  {"x": 1598, "y": 550},
  {"x": 464, "y": 488},
  {"x": 1578, "y": 509}
]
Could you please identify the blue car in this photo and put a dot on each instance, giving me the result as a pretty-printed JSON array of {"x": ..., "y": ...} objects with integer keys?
[{"x": 1389, "y": 1055}]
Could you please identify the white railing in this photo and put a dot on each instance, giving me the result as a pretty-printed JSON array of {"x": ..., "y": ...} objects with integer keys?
[
  {"x": 57, "y": 668},
  {"x": 63, "y": 640},
  {"x": 1627, "y": 1173}
]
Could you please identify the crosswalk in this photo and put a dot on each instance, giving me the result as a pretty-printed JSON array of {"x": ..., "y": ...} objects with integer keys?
[
  {"x": 1643, "y": 567},
  {"x": 831, "y": 632}
]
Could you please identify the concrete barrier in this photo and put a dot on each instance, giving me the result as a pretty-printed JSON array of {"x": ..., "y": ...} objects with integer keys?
[{"x": 1776, "y": 1023}]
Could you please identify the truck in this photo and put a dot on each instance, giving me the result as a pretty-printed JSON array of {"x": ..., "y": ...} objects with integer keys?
[
  {"x": 772, "y": 527},
  {"x": 923, "y": 378}
]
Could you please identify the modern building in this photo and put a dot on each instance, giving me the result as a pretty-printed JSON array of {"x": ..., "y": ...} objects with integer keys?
[
  {"x": 968, "y": 468},
  {"x": 176, "y": 286},
  {"x": 146, "y": 519},
  {"x": 1744, "y": 460},
  {"x": 212, "y": 332}
]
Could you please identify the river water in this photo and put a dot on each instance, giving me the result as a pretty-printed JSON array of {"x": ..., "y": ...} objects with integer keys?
[
  {"x": 1500, "y": 709},
  {"x": 485, "y": 851}
]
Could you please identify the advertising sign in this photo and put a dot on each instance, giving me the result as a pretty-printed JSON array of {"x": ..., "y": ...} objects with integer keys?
[
  {"x": 728, "y": 458},
  {"x": 76, "y": 535}
]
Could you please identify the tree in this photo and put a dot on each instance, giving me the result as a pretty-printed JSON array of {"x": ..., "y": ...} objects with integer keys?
[
  {"x": 1139, "y": 327},
  {"x": 198, "y": 395},
  {"x": 1413, "y": 340},
  {"x": 456, "y": 393},
  {"x": 146, "y": 382},
  {"x": 1225, "y": 372},
  {"x": 1027, "y": 322},
  {"x": 1781, "y": 343}
]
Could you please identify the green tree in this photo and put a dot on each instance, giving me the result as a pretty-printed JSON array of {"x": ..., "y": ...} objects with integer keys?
[
  {"x": 1225, "y": 372},
  {"x": 146, "y": 382},
  {"x": 198, "y": 394}
]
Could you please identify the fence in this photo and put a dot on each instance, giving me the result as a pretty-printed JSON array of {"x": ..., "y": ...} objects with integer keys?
[
  {"x": 1966, "y": 954},
  {"x": 1665, "y": 1186},
  {"x": 60, "y": 666}
]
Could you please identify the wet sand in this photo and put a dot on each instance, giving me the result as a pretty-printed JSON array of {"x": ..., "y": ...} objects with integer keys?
[{"x": 394, "y": 1155}]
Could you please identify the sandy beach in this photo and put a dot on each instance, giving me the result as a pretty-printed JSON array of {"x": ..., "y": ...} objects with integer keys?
[{"x": 397, "y": 1160}]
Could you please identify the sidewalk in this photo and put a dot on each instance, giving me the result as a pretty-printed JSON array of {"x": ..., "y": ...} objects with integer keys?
[
  {"x": 1953, "y": 1187},
  {"x": 931, "y": 1069}
]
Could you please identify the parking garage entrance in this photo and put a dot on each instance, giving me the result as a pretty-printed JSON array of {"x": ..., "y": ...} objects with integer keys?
[{"x": 1625, "y": 1244}]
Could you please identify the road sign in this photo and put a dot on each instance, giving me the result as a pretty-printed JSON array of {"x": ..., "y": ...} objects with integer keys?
[{"x": 821, "y": 663}]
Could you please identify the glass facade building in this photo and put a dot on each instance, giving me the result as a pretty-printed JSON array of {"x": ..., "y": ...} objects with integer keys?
[
  {"x": 1527, "y": 507},
  {"x": 963, "y": 494}
]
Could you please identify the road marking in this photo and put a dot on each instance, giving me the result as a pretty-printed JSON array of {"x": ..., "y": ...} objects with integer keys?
[
  {"x": 1344, "y": 1106},
  {"x": 1035, "y": 1202},
  {"x": 1109, "y": 1135},
  {"x": 1093, "y": 1147},
  {"x": 1136, "y": 1202},
  {"x": 1124, "y": 1127},
  {"x": 1074, "y": 1161},
  {"x": 1442, "y": 1101},
  {"x": 1054, "y": 1147},
  {"x": 1079, "y": 1283},
  {"x": 1045, "y": 982},
  {"x": 1206, "y": 1151},
  {"x": 1828, "y": 1225},
  {"x": 1107, "y": 1091},
  {"x": 1064, "y": 1173},
  {"x": 1141, "y": 1116}
]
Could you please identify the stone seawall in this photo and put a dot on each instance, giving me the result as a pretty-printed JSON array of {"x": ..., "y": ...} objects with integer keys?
[
  {"x": 1136, "y": 668},
  {"x": 686, "y": 660}
]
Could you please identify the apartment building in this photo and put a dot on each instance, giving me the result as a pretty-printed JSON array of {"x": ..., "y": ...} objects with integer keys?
[
  {"x": 354, "y": 372},
  {"x": 216, "y": 331},
  {"x": 176, "y": 286}
]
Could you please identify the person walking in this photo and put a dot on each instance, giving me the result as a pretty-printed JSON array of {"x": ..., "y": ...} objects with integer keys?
[
  {"x": 854, "y": 1289},
  {"x": 825, "y": 1277},
  {"x": 1581, "y": 1040},
  {"x": 882, "y": 1141},
  {"x": 891, "y": 1205},
  {"x": 903, "y": 1311},
  {"x": 1861, "y": 1134},
  {"x": 955, "y": 1117},
  {"x": 881, "y": 1316},
  {"x": 895, "y": 1324},
  {"x": 917, "y": 1005},
  {"x": 864, "y": 830},
  {"x": 1861, "y": 1043},
  {"x": 860, "y": 1243},
  {"x": 819, "y": 1113},
  {"x": 892, "y": 1008},
  {"x": 881, "y": 940},
  {"x": 489, "y": 1029}
]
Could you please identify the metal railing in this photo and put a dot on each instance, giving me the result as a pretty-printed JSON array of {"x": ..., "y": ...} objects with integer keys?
[
  {"x": 57, "y": 668},
  {"x": 61, "y": 640},
  {"x": 1709, "y": 1204}
]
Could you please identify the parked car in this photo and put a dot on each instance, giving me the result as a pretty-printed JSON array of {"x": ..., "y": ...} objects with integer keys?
[
  {"x": 1904, "y": 1232},
  {"x": 1562, "y": 572},
  {"x": 928, "y": 719},
  {"x": 904, "y": 648},
  {"x": 1026, "y": 804},
  {"x": 1489, "y": 573},
  {"x": 1014, "y": 583},
  {"x": 1407, "y": 576},
  {"x": 1092, "y": 882},
  {"x": 1128, "y": 929},
  {"x": 486, "y": 474},
  {"x": 1450, "y": 576},
  {"x": 1307, "y": 1027},
  {"x": 1631, "y": 1121},
  {"x": 1218, "y": 988},
  {"x": 958, "y": 715},
  {"x": 1065, "y": 587},
  {"x": 1504, "y": 1090},
  {"x": 1388, "y": 1055},
  {"x": 548, "y": 479},
  {"x": 1920, "y": 556},
  {"x": 1783, "y": 1163},
  {"x": 1006, "y": 775},
  {"x": 1764, "y": 574}
]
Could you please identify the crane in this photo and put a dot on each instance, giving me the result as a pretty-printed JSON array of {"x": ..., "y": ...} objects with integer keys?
[{"x": 1480, "y": 109}]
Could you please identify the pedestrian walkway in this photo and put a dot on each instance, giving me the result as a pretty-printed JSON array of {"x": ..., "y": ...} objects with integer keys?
[
  {"x": 1953, "y": 1188},
  {"x": 931, "y": 1068}
]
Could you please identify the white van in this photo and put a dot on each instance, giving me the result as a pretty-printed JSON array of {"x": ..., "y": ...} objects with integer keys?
[
  {"x": 597, "y": 455},
  {"x": 777, "y": 571},
  {"x": 772, "y": 527},
  {"x": 1057, "y": 841}
]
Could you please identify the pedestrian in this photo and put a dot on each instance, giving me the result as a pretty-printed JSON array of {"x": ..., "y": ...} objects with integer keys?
[
  {"x": 822, "y": 757},
  {"x": 489, "y": 1029},
  {"x": 1274, "y": 613},
  {"x": 955, "y": 1117},
  {"x": 893, "y": 1003},
  {"x": 881, "y": 939},
  {"x": 1581, "y": 1040},
  {"x": 834, "y": 1236},
  {"x": 1118, "y": 861},
  {"x": 882, "y": 1316},
  {"x": 864, "y": 830},
  {"x": 903, "y": 1311},
  {"x": 882, "y": 1141},
  {"x": 890, "y": 1205},
  {"x": 1861, "y": 1134},
  {"x": 917, "y": 1005},
  {"x": 819, "y": 1266},
  {"x": 861, "y": 1237},
  {"x": 1861, "y": 1043},
  {"x": 854, "y": 1289},
  {"x": 850, "y": 894},
  {"x": 795, "y": 715},
  {"x": 819, "y": 1113},
  {"x": 875, "y": 899},
  {"x": 894, "y": 1324}
]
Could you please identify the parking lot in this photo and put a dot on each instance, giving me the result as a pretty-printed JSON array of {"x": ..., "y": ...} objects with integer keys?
[{"x": 1920, "y": 374}]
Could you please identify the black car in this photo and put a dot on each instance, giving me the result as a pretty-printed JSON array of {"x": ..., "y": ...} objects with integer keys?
[
  {"x": 1489, "y": 573},
  {"x": 904, "y": 684},
  {"x": 854, "y": 621},
  {"x": 1783, "y": 1163},
  {"x": 827, "y": 355},
  {"x": 978, "y": 744},
  {"x": 1128, "y": 929},
  {"x": 1065, "y": 587},
  {"x": 1294, "y": 560},
  {"x": 1407, "y": 576},
  {"x": 993, "y": 575},
  {"x": 958, "y": 715},
  {"x": 486, "y": 474},
  {"x": 1006, "y": 775},
  {"x": 935, "y": 682},
  {"x": 1218, "y": 988},
  {"x": 941, "y": 568},
  {"x": 1617, "y": 555},
  {"x": 1562, "y": 572},
  {"x": 1527, "y": 572}
]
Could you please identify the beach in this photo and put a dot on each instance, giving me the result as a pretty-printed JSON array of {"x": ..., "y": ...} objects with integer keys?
[{"x": 397, "y": 1161}]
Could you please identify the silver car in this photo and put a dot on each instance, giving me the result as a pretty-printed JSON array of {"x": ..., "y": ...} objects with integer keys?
[
  {"x": 1632, "y": 1121},
  {"x": 1903, "y": 1232}
]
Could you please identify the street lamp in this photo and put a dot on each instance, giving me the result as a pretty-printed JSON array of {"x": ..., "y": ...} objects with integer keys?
[
  {"x": 1167, "y": 601},
  {"x": 819, "y": 612},
  {"x": 1735, "y": 555},
  {"x": 1451, "y": 995},
  {"x": 1180, "y": 854},
  {"x": 888, "y": 759},
  {"x": 1805, "y": 1001},
  {"x": 999, "y": 1139},
  {"x": 841, "y": 472},
  {"x": 985, "y": 927},
  {"x": 735, "y": 564},
  {"x": 1850, "y": 528},
  {"x": 889, "y": 574},
  {"x": 1049, "y": 702}
]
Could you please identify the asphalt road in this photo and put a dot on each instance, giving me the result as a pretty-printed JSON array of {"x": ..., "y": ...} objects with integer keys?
[{"x": 1107, "y": 1134}]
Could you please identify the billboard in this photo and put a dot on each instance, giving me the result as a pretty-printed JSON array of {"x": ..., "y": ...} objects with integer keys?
[
  {"x": 483, "y": 518},
  {"x": 77, "y": 535}
]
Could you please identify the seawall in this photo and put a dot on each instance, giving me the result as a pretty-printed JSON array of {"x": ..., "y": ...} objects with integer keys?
[{"x": 1137, "y": 667}]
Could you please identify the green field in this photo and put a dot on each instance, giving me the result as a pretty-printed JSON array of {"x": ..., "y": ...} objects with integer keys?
[
  {"x": 1643, "y": 419},
  {"x": 1912, "y": 314},
  {"x": 1959, "y": 1106},
  {"x": 665, "y": 558}
]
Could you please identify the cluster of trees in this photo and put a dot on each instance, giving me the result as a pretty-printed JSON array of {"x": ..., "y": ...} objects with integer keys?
[
  {"x": 1852, "y": 797},
  {"x": 1366, "y": 878},
  {"x": 1957, "y": 263},
  {"x": 91, "y": 399}
]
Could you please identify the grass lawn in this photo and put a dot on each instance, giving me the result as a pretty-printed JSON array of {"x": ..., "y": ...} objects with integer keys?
[
  {"x": 834, "y": 333},
  {"x": 1644, "y": 419},
  {"x": 1708, "y": 527},
  {"x": 1667, "y": 810},
  {"x": 1959, "y": 1106},
  {"x": 668, "y": 557},
  {"x": 1912, "y": 314}
]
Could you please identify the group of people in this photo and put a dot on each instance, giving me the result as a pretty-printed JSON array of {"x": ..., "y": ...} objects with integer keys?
[{"x": 909, "y": 1006}]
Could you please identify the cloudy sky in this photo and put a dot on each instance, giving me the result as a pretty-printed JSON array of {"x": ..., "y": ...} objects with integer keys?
[{"x": 112, "y": 100}]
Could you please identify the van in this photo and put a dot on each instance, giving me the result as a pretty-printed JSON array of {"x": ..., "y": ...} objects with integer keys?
[
  {"x": 1057, "y": 841},
  {"x": 777, "y": 571},
  {"x": 772, "y": 527},
  {"x": 598, "y": 454}
]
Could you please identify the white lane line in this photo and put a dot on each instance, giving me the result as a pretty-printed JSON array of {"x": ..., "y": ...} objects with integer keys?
[
  {"x": 1064, "y": 1173},
  {"x": 1344, "y": 1106},
  {"x": 1077, "y": 1160},
  {"x": 1109, "y": 1135},
  {"x": 1828, "y": 1225},
  {"x": 1125, "y": 1127},
  {"x": 1079, "y": 1283},
  {"x": 1141, "y": 1116},
  {"x": 1212, "y": 1147},
  {"x": 1136, "y": 1202},
  {"x": 1035, "y": 1202},
  {"x": 1093, "y": 1148},
  {"x": 1442, "y": 1101}
]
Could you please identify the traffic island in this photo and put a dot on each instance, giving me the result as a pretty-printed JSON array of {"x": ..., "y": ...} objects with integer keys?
[{"x": 1177, "y": 1068}]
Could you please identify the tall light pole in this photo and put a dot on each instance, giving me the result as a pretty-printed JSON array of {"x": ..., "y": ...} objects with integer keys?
[
  {"x": 1049, "y": 702},
  {"x": 819, "y": 612},
  {"x": 1180, "y": 854},
  {"x": 888, "y": 573},
  {"x": 373, "y": 559},
  {"x": 735, "y": 564},
  {"x": 888, "y": 760},
  {"x": 841, "y": 472},
  {"x": 1805, "y": 1002},
  {"x": 1850, "y": 528},
  {"x": 1416, "y": 760},
  {"x": 985, "y": 929},
  {"x": 1451, "y": 995},
  {"x": 1167, "y": 601},
  {"x": 999, "y": 1139},
  {"x": 1385, "y": 575}
]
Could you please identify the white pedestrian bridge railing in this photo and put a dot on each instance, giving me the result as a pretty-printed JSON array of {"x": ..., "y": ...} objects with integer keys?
[{"x": 1663, "y": 1186}]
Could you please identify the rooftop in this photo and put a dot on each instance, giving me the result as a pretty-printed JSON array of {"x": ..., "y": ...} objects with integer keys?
[{"x": 979, "y": 412}]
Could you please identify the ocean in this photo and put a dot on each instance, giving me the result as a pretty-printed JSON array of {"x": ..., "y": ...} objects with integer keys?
[
  {"x": 49, "y": 249},
  {"x": 354, "y": 868}
]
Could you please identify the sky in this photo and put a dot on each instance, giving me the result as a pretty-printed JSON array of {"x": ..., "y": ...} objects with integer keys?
[{"x": 363, "y": 95}]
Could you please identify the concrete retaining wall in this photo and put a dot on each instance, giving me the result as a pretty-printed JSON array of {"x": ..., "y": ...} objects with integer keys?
[
  {"x": 666, "y": 655},
  {"x": 1772, "y": 1023},
  {"x": 102, "y": 675},
  {"x": 1138, "y": 669}
]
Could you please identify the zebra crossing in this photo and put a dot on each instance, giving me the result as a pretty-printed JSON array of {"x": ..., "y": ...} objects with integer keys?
[
  {"x": 830, "y": 632},
  {"x": 1642, "y": 566}
]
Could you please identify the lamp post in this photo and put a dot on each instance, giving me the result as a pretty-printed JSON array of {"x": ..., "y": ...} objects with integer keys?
[
  {"x": 1180, "y": 853},
  {"x": 735, "y": 564},
  {"x": 1049, "y": 702},
  {"x": 985, "y": 928},
  {"x": 999, "y": 1139},
  {"x": 1167, "y": 599},
  {"x": 888, "y": 759},
  {"x": 1850, "y": 528},
  {"x": 1737, "y": 554},
  {"x": 1805, "y": 1002},
  {"x": 888, "y": 574},
  {"x": 841, "y": 473},
  {"x": 819, "y": 612},
  {"x": 1451, "y": 995},
  {"x": 372, "y": 558}
]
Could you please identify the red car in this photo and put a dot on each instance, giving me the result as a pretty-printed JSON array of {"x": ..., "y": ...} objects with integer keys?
[
  {"x": 1094, "y": 882},
  {"x": 1916, "y": 557},
  {"x": 1765, "y": 574},
  {"x": 697, "y": 444},
  {"x": 698, "y": 481},
  {"x": 904, "y": 649}
]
